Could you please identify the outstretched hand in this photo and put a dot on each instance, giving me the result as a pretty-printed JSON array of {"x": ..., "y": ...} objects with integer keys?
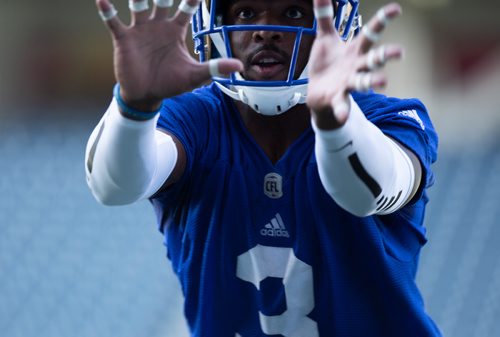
[
  {"x": 337, "y": 67},
  {"x": 151, "y": 60}
]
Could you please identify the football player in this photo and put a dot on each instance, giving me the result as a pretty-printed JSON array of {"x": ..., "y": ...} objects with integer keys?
[{"x": 291, "y": 196}]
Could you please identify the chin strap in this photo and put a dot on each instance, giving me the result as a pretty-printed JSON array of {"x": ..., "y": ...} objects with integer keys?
[{"x": 269, "y": 101}]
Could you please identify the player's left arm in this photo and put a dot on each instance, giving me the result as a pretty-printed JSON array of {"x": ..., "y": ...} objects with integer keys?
[{"x": 363, "y": 170}]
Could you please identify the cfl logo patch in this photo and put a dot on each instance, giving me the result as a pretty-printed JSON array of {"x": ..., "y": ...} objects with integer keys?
[{"x": 273, "y": 185}]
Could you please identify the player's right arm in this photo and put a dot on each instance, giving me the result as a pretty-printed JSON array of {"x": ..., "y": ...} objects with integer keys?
[{"x": 127, "y": 158}]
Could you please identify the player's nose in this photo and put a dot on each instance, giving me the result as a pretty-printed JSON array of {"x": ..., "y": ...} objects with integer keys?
[{"x": 267, "y": 35}]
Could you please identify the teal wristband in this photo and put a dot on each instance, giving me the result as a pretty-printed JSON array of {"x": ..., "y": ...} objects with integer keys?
[{"x": 132, "y": 113}]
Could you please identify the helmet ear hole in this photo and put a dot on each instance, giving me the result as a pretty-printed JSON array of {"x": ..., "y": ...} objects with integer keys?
[
  {"x": 212, "y": 53},
  {"x": 219, "y": 20},
  {"x": 219, "y": 7}
]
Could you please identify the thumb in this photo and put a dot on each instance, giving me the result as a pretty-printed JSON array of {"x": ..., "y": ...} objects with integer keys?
[
  {"x": 224, "y": 66},
  {"x": 341, "y": 107}
]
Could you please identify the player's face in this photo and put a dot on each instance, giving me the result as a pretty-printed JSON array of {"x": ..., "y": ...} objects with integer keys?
[{"x": 267, "y": 54}]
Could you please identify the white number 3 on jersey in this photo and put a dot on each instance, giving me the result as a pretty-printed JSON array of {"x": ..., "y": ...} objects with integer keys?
[{"x": 261, "y": 262}]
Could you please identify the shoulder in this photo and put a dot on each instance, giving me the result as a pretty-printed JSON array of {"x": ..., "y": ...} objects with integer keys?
[
  {"x": 374, "y": 104},
  {"x": 193, "y": 109},
  {"x": 200, "y": 120},
  {"x": 409, "y": 114},
  {"x": 201, "y": 99}
]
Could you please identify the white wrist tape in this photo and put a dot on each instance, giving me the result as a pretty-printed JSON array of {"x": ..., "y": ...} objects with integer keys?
[
  {"x": 138, "y": 6},
  {"x": 370, "y": 34},
  {"x": 164, "y": 3},
  {"x": 213, "y": 67},
  {"x": 324, "y": 12},
  {"x": 109, "y": 14},
  {"x": 382, "y": 17},
  {"x": 363, "y": 170},
  {"x": 127, "y": 160},
  {"x": 187, "y": 8}
]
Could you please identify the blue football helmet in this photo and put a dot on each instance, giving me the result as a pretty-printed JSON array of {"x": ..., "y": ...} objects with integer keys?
[{"x": 211, "y": 40}]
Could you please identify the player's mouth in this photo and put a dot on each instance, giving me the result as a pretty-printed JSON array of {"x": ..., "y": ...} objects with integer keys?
[{"x": 268, "y": 65}]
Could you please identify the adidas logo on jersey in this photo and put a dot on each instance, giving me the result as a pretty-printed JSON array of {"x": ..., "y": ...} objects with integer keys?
[
  {"x": 275, "y": 228},
  {"x": 414, "y": 115}
]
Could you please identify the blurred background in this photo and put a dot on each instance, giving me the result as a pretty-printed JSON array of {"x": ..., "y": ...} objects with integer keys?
[{"x": 70, "y": 267}]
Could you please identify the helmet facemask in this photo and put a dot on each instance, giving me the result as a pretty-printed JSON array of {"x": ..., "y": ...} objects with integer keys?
[{"x": 212, "y": 40}]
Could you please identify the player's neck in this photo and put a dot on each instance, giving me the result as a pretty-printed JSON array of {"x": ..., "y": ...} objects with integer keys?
[{"x": 275, "y": 134}]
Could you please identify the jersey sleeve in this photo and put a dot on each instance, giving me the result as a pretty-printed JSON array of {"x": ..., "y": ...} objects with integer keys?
[{"x": 186, "y": 117}]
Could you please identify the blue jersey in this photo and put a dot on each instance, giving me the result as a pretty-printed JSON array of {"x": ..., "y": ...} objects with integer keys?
[{"x": 261, "y": 249}]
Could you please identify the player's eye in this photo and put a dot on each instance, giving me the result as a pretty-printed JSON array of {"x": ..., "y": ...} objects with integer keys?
[
  {"x": 294, "y": 13},
  {"x": 245, "y": 14}
]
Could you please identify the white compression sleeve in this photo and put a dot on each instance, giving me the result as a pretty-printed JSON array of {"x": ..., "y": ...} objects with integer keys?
[
  {"x": 127, "y": 160},
  {"x": 362, "y": 169}
]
